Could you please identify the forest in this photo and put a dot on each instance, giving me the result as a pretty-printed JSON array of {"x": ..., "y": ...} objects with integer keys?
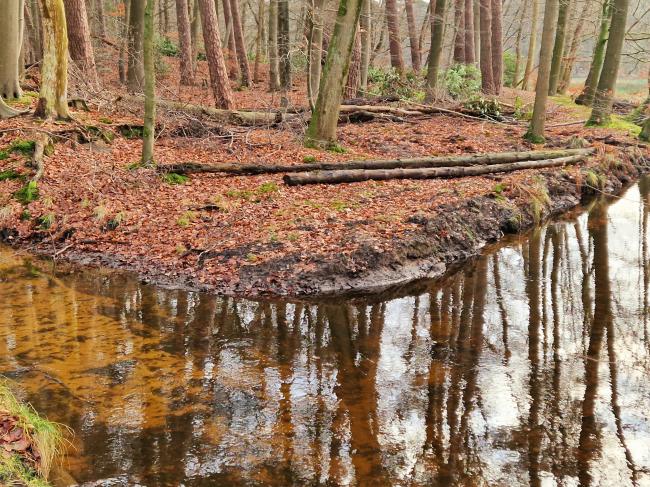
[{"x": 318, "y": 150}]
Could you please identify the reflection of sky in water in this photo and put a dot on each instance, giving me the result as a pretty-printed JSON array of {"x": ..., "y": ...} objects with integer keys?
[{"x": 455, "y": 383}]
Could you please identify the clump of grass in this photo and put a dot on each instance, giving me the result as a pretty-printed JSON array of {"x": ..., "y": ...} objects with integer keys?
[
  {"x": 28, "y": 193},
  {"x": 45, "y": 437},
  {"x": 9, "y": 174},
  {"x": 175, "y": 179},
  {"x": 25, "y": 147},
  {"x": 339, "y": 205},
  {"x": 186, "y": 218},
  {"x": 309, "y": 159},
  {"x": 334, "y": 147},
  {"x": 267, "y": 188},
  {"x": 4, "y": 155},
  {"x": 255, "y": 195},
  {"x": 595, "y": 180},
  {"x": 46, "y": 221}
]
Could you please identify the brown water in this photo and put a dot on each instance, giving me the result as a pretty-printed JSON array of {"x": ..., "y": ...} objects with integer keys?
[{"x": 529, "y": 366}]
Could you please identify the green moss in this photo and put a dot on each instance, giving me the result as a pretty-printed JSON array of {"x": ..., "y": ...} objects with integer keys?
[
  {"x": 267, "y": 188},
  {"x": 620, "y": 123},
  {"x": 534, "y": 139},
  {"x": 4, "y": 155},
  {"x": 25, "y": 147},
  {"x": 9, "y": 174},
  {"x": 174, "y": 179},
  {"x": 26, "y": 215},
  {"x": 187, "y": 218},
  {"x": 27, "y": 193},
  {"x": 334, "y": 147},
  {"x": 309, "y": 159}
]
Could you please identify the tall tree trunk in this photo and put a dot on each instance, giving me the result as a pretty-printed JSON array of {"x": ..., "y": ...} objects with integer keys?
[
  {"x": 221, "y": 90},
  {"x": 558, "y": 47},
  {"x": 259, "y": 40},
  {"x": 123, "y": 61},
  {"x": 497, "y": 47},
  {"x": 520, "y": 28},
  {"x": 284, "y": 46},
  {"x": 487, "y": 73},
  {"x": 101, "y": 20},
  {"x": 604, "y": 97},
  {"x": 194, "y": 30},
  {"x": 232, "y": 56},
  {"x": 394, "y": 40},
  {"x": 53, "y": 100},
  {"x": 33, "y": 25},
  {"x": 536, "y": 129},
  {"x": 365, "y": 23},
  {"x": 437, "y": 39},
  {"x": 571, "y": 54},
  {"x": 459, "y": 34},
  {"x": 135, "y": 70},
  {"x": 470, "y": 57},
  {"x": 532, "y": 47},
  {"x": 316, "y": 27},
  {"x": 274, "y": 64},
  {"x": 589, "y": 91},
  {"x": 416, "y": 60},
  {"x": 425, "y": 28},
  {"x": 185, "y": 40},
  {"x": 11, "y": 40},
  {"x": 354, "y": 73},
  {"x": 81, "y": 48},
  {"x": 322, "y": 128},
  {"x": 148, "y": 133},
  {"x": 240, "y": 45},
  {"x": 477, "y": 31}
]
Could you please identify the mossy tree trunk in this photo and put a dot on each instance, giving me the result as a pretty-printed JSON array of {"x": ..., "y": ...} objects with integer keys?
[
  {"x": 604, "y": 97},
  {"x": 185, "y": 41},
  {"x": 558, "y": 47},
  {"x": 532, "y": 46},
  {"x": 148, "y": 132},
  {"x": 135, "y": 65},
  {"x": 536, "y": 130},
  {"x": 53, "y": 100},
  {"x": 81, "y": 48},
  {"x": 322, "y": 128},
  {"x": 11, "y": 40},
  {"x": 591, "y": 83},
  {"x": 221, "y": 89},
  {"x": 394, "y": 38},
  {"x": 437, "y": 39}
]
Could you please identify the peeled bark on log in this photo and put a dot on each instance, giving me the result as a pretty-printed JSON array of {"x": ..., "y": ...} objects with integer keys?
[
  {"x": 472, "y": 160},
  {"x": 338, "y": 177},
  {"x": 231, "y": 117}
]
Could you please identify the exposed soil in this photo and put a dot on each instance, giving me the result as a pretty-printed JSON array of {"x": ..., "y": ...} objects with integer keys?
[{"x": 253, "y": 236}]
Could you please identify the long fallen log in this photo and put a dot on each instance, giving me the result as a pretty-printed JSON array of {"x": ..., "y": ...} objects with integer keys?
[
  {"x": 229, "y": 117},
  {"x": 411, "y": 163},
  {"x": 355, "y": 176}
]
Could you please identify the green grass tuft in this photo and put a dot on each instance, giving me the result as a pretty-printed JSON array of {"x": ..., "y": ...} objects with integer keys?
[
  {"x": 27, "y": 193},
  {"x": 9, "y": 174},
  {"x": 25, "y": 147},
  {"x": 175, "y": 179}
]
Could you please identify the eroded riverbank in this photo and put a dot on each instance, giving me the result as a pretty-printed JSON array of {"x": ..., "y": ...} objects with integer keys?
[{"x": 528, "y": 365}]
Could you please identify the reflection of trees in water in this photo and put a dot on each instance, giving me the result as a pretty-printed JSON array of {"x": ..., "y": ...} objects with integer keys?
[{"x": 501, "y": 374}]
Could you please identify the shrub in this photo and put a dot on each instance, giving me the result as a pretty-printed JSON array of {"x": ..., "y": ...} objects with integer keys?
[
  {"x": 484, "y": 107},
  {"x": 462, "y": 81},
  {"x": 166, "y": 47},
  {"x": 509, "y": 61},
  {"x": 388, "y": 82}
]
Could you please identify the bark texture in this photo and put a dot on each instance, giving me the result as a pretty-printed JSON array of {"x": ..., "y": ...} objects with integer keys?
[
  {"x": 470, "y": 56},
  {"x": 135, "y": 65},
  {"x": 487, "y": 73},
  {"x": 221, "y": 89},
  {"x": 596, "y": 66},
  {"x": 394, "y": 40},
  {"x": 532, "y": 46},
  {"x": 274, "y": 64},
  {"x": 437, "y": 38},
  {"x": 240, "y": 45},
  {"x": 81, "y": 48},
  {"x": 10, "y": 40},
  {"x": 185, "y": 41},
  {"x": 497, "y": 47},
  {"x": 416, "y": 60},
  {"x": 149, "y": 86},
  {"x": 558, "y": 47},
  {"x": 459, "y": 35}
]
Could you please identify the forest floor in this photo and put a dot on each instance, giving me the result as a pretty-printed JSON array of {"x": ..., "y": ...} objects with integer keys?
[{"x": 260, "y": 237}]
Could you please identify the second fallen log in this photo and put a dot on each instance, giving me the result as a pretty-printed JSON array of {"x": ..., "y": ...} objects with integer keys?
[{"x": 355, "y": 176}]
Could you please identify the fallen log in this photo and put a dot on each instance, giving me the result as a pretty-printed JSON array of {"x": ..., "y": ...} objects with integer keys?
[
  {"x": 230, "y": 117},
  {"x": 412, "y": 163},
  {"x": 355, "y": 176}
]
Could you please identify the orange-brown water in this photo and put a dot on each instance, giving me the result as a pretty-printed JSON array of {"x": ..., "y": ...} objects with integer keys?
[{"x": 530, "y": 366}]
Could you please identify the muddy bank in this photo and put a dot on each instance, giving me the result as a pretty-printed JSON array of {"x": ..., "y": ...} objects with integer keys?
[{"x": 437, "y": 240}]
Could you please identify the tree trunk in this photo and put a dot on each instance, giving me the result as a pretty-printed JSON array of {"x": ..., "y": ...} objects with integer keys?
[
  {"x": 354, "y": 73},
  {"x": 536, "y": 130},
  {"x": 477, "y": 30},
  {"x": 487, "y": 73},
  {"x": 532, "y": 47},
  {"x": 589, "y": 91},
  {"x": 221, "y": 90},
  {"x": 284, "y": 47},
  {"x": 194, "y": 29},
  {"x": 354, "y": 176},
  {"x": 122, "y": 62},
  {"x": 645, "y": 131},
  {"x": 81, "y": 49},
  {"x": 570, "y": 59},
  {"x": 53, "y": 100},
  {"x": 365, "y": 23},
  {"x": 470, "y": 57},
  {"x": 185, "y": 41},
  {"x": 558, "y": 47},
  {"x": 459, "y": 34},
  {"x": 437, "y": 40},
  {"x": 520, "y": 28},
  {"x": 416, "y": 60},
  {"x": 316, "y": 21},
  {"x": 322, "y": 128},
  {"x": 33, "y": 24},
  {"x": 604, "y": 97},
  {"x": 148, "y": 132},
  {"x": 100, "y": 18},
  {"x": 11, "y": 40},
  {"x": 259, "y": 40},
  {"x": 240, "y": 45},
  {"x": 232, "y": 56},
  {"x": 135, "y": 70},
  {"x": 467, "y": 160},
  {"x": 497, "y": 47},
  {"x": 274, "y": 65},
  {"x": 394, "y": 40}
]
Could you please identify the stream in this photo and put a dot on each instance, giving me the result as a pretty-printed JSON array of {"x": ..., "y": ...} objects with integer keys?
[{"x": 527, "y": 366}]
